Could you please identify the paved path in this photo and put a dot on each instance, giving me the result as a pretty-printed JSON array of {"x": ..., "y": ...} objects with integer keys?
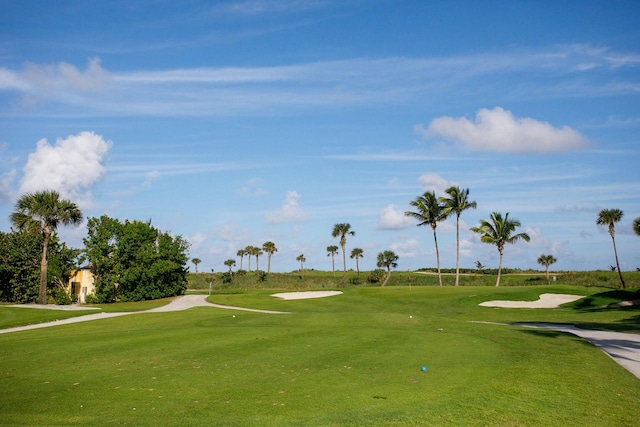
[
  {"x": 177, "y": 304},
  {"x": 622, "y": 348}
]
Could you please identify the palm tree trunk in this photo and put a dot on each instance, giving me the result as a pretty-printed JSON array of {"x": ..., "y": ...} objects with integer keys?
[
  {"x": 387, "y": 278},
  {"x": 435, "y": 239},
  {"x": 42, "y": 291},
  {"x": 457, "y": 248},
  {"x": 615, "y": 252},
  {"x": 268, "y": 263},
  {"x": 357, "y": 266},
  {"x": 546, "y": 271},
  {"x": 344, "y": 263},
  {"x": 499, "y": 270},
  {"x": 333, "y": 264},
  {"x": 257, "y": 265}
]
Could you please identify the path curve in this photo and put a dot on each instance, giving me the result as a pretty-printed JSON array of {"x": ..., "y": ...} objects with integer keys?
[{"x": 179, "y": 303}]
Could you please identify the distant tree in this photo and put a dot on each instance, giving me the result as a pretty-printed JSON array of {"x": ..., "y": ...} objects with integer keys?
[
  {"x": 357, "y": 253},
  {"x": 479, "y": 266},
  {"x": 499, "y": 232},
  {"x": 429, "y": 211},
  {"x": 332, "y": 251},
  {"x": 249, "y": 251},
  {"x": 546, "y": 260},
  {"x": 195, "y": 262},
  {"x": 257, "y": 252},
  {"x": 636, "y": 226},
  {"x": 387, "y": 259},
  {"x": 343, "y": 230},
  {"x": 241, "y": 253},
  {"x": 457, "y": 202},
  {"x": 42, "y": 212},
  {"x": 302, "y": 259},
  {"x": 609, "y": 217},
  {"x": 230, "y": 263},
  {"x": 270, "y": 249}
]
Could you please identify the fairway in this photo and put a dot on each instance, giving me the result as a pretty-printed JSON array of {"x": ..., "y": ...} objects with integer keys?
[{"x": 351, "y": 359}]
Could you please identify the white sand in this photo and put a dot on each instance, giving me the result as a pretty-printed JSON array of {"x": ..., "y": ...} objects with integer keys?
[
  {"x": 306, "y": 294},
  {"x": 545, "y": 301}
]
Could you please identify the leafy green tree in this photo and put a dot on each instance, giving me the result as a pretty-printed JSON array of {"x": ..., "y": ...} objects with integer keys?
[
  {"x": 546, "y": 260},
  {"x": 429, "y": 210},
  {"x": 332, "y": 250},
  {"x": 133, "y": 261},
  {"x": 457, "y": 202},
  {"x": 609, "y": 217},
  {"x": 636, "y": 226},
  {"x": 241, "y": 253},
  {"x": 343, "y": 230},
  {"x": 43, "y": 212},
  {"x": 270, "y": 249},
  {"x": 20, "y": 255},
  {"x": 302, "y": 259},
  {"x": 499, "y": 231},
  {"x": 230, "y": 263},
  {"x": 387, "y": 259},
  {"x": 357, "y": 253},
  {"x": 195, "y": 262}
]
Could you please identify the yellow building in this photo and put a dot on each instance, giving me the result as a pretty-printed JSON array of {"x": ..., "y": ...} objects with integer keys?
[{"x": 81, "y": 284}]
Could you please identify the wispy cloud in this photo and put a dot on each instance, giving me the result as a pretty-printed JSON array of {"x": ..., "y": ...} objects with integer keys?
[
  {"x": 290, "y": 211},
  {"x": 573, "y": 70}
]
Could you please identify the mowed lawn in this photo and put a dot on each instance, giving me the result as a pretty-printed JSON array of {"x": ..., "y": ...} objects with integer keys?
[{"x": 349, "y": 360}]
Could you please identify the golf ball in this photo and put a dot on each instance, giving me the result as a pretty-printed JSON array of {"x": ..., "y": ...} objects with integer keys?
[{"x": 410, "y": 317}]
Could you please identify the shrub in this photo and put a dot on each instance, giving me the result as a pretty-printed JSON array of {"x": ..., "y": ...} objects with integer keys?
[{"x": 376, "y": 276}]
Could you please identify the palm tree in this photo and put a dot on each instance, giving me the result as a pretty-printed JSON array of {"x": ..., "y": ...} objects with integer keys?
[
  {"x": 302, "y": 259},
  {"x": 357, "y": 253},
  {"x": 249, "y": 251},
  {"x": 610, "y": 217},
  {"x": 42, "y": 212},
  {"x": 270, "y": 249},
  {"x": 342, "y": 230},
  {"x": 387, "y": 259},
  {"x": 546, "y": 260},
  {"x": 457, "y": 202},
  {"x": 636, "y": 226},
  {"x": 257, "y": 252},
  {"x": 241, "y": 253},
  {"x": 499, "y": 232},
  {"x": 332, "y": 251},
  {"x": 195, "y": 262},
  {"x": 230, "y": 263},
  {"x": 429, "y": 211}
]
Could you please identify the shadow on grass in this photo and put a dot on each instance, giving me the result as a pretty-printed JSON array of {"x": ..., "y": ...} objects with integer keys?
[{"x": 605, "y": 300}]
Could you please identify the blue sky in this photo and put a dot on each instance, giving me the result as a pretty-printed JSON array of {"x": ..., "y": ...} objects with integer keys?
[{"x": 233, "y": 123}]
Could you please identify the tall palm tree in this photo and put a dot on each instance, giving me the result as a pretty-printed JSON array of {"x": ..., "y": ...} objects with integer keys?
[
  {"x": 636, "y": 226},
  {"x": 429, "y": 211},
  {"x": 387, "y": 259},
  {"x": 195, "y": 262},
  {"x": 357, "y": 253},
  {"x": 257, "y": 252},
  {"x": 332, "y": 251},
  {"x": 249, "y": 252},
  {"x": 230, "y": 263},
  {"x": 499, "y": 232},
  {"x": 42, "y": 212},
  {"x": 342, "y": 230},
  {"x": 302, "y": 259},
  {"x": 241, "y": 253},
  {"x": 610, "y": 217},
  {"x": 457, "y": 202},
  {"x": 546, "y": 260},
  {"x": 270, "y": 249}
]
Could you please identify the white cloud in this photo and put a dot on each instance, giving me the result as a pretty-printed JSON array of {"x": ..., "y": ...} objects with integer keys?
[
  {"x": 196, "y": 240},
  {"x": 391, "y": 218},
  {"x": 407, "y": 249},
  {"x": 289, "y": 211},
  {"x": 6, "y": 182},
  {"x": 499, "y": 130},
  {"x": 434, "y": 182},
  {"x": 70, "y": 167}
]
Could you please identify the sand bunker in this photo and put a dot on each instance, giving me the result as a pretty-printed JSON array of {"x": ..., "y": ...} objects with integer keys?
[
  {"x": 306, "y": 295},
  {"x": 545, "y": 301}
]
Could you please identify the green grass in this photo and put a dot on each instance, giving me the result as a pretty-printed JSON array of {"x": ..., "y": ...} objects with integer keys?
[{"x": 352, "y": 359}]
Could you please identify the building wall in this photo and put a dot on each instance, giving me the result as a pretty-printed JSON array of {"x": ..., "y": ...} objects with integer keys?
[{"x": 81, "y": 284}]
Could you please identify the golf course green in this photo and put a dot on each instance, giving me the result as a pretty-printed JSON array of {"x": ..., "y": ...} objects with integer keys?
[{"x": 354, "y": 359}]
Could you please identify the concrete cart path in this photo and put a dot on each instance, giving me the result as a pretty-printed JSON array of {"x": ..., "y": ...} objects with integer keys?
[
  {"x": 623, "y": 348},
  {"x": 177, "y": 304}
]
